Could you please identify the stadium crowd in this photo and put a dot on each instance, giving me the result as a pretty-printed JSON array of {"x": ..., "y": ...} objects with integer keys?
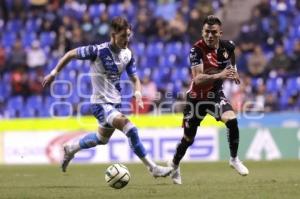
[{"x": 34, "y": 34}]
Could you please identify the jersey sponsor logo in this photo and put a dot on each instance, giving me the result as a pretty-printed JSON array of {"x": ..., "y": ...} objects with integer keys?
[{"x": 211, "y": 59}]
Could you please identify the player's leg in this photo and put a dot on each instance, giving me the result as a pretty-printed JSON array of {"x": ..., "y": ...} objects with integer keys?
[
  {"x": 122, "y": 123},
  {"x": 190, "y": 124},
  {"x": 88, "y": 141},
  {"x": 230, "y": 120},
  {"x": 226, "y": 114}
]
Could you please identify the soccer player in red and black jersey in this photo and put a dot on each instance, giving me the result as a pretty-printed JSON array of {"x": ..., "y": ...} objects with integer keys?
[{"x": 212, "y": 62}]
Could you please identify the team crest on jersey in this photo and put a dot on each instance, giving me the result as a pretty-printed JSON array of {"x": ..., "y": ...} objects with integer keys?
[{"x": 225, "y": 54}]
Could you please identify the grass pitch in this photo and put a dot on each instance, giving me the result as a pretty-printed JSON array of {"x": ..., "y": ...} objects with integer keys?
[{"x": 275, "y": 179}]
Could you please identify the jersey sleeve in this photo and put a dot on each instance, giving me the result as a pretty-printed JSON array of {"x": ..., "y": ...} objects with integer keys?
[
  {"x": 195, "y": 57},
  {"x": 231, "y": 45},
  {"x": 131, "y": 67},
  {"x": 87, "y": 52}
]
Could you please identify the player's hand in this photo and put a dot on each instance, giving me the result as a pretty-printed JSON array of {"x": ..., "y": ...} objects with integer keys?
[
  {"x": 237, "y": 78},
  {"x": 228, "y": 73},
  {"x": 138, "y": 99},
  {"x": 48, "y": 79}
]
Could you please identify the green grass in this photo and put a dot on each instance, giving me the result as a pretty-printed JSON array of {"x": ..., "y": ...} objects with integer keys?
[{"x": 275, "y": 179}]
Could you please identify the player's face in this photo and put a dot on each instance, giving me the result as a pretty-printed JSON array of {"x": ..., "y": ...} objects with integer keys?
[
  {"x": 121, "y": 39},
  {"x": 211, "y": 35}
]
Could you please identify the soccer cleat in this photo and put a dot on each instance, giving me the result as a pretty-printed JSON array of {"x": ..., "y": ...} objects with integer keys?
[
  {"x": 175, "y": 174},
  {"x": 160, "y": 171},
  {"x": 238, "y": 166},
  {"x": 68, "y": 156}
]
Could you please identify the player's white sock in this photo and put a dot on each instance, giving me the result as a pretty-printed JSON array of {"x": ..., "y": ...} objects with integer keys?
[
  {"x": 74, "y": 147},
  {"x": 148, "y": 162}
]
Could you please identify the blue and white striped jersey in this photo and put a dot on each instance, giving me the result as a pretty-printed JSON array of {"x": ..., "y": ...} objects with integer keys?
[{"x": 106, "y": 71}]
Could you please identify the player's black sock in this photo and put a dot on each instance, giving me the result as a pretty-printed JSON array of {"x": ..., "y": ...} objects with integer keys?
[
  {"x": 233, "y": 136},
  {"x": 181, "y": 149}
]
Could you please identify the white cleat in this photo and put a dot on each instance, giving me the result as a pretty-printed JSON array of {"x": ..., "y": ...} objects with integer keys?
[
  {"x": 238, "y": 166},
  {"x": 160, "y": 171},
  {"x": 175, "y": 174},
  {"x": 68, "y": 156}
]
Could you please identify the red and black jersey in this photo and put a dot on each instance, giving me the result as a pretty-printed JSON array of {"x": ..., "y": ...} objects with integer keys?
[{"x": 214, "y": 61}]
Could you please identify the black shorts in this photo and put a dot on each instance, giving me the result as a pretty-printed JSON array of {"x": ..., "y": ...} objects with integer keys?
[{"x": 195, "y": 110}]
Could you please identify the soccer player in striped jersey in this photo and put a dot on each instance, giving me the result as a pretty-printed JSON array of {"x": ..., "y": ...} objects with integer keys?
[
  {"x": 109, "y": 59},
  {"x": 212, "y": 62}
]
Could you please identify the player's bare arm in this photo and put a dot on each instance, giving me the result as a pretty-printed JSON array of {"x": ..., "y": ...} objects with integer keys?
[
  {"x": 137, "y": 90},
  {"x": 48, "y": 79},
  {"x": 237, "y": 77},
  {"x": 200, "y": 78}
]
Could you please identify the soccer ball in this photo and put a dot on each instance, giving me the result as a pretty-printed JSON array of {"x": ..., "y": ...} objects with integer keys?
[{"x": 117, "y": 176}]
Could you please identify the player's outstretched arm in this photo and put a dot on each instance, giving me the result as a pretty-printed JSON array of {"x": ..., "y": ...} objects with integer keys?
[{"x": 48, "y": 79}]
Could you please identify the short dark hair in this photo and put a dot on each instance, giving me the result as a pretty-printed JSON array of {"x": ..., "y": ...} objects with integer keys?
[
  {"x": 212, "y": 20},
  {"x": 118, "y": 24}
]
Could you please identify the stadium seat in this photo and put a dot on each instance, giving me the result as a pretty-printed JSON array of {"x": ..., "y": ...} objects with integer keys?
[
  {"x": 47, "y": 39},
  {"x": 33, "y": 25},
  {"x": 35, "y": 102},
  {"x": 16, "y": 102},
  {"x": 154, "y": 49},
  {"x": 115, "y": 9},
  {"x": 138, "y": 49},
  {"x": 274, "y": 85},
  {"x": 293, "y": 85},
  {"x": 8, "y": 39},
  {"x": 28, "y": 38},
  {"x": 95, "y": 10},
  {"x": 14, "y": 25},
  {"x": 174, "y": 48}
]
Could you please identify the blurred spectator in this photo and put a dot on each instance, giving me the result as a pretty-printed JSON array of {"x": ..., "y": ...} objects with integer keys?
[
  {"x": 77, "y": 38},
  {"x": 163, "y": 31},
  {"x": 280, "y": 62},
  {"x": 257, "y": 62},
  {"x": 241, "y": 60},
  {"x": 293, "y": 102},
  {"x": 295, "y": 59},
  {"x": 271, "y": 103},
  {"x": 3, "y": 66},
  {"x": 18, "y": 9},
  {"x": 102, "y": 28},
  {"x": 17, "y": 56},
  {"x": 177, "y": 27},
  {"x": 264, "y": 8},
  {"x": 205, "y": 7},
  {"x": 35, "y": 82},
  {"x": 87, "y": 28},
  {"x": 62, "y": 43},
  {"x": 166, "y": 9},
  {"x": 149, "y": 88},
  {"x": 149, "y": 92},
  {"x": 19, "y": 82},
  {"x": 36, "y": 56},
  {"x": 142, "y": 26},
  {"x": 184, "y": 7},
  {"x": 39, "y": 5},
  {"x": 194, "y": 25},
  {"x": 260, "y": 98}
]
